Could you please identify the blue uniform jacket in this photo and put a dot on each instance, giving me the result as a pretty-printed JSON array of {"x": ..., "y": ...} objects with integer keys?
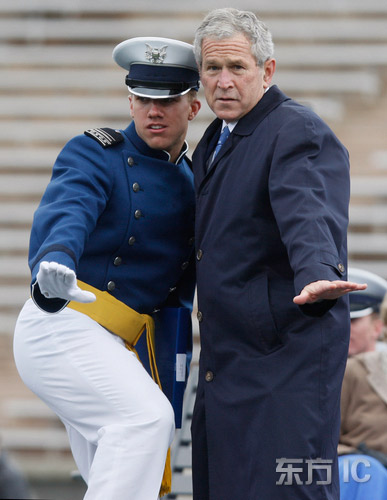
[
  {"x": 122, "y": 217},
  {"x": 272, "y": 216}
]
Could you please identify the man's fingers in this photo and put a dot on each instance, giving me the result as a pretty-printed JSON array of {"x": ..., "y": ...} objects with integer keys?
[
  {"x": 302, "y": 298},
  {"x": 83, "y": 296},
  {"x": 326, "y": 290},
  {"x": 44, "y": 267},
  {"x": 56, "y": 280}
]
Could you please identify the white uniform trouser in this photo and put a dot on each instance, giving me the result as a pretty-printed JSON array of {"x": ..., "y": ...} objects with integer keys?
[{"x": 119, "y": 423}]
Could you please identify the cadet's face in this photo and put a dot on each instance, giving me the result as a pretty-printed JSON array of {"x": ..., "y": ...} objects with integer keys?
[
  {"x": 163, "y": 123},
  {"x": 232, "y": 80}
]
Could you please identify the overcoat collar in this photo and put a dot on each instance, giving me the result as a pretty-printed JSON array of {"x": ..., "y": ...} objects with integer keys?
[{"x": 245, "y": 126}]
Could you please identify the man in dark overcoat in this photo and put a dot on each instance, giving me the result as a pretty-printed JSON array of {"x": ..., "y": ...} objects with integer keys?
[{"x": 271, "y": 224}]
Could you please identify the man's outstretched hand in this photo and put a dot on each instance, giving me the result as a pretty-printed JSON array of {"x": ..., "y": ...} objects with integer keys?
[
  {"x": 58, "y": 281},
  {"x": 326, "y": 290}
]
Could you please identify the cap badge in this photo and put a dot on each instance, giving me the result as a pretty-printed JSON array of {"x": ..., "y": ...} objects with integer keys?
[{"x": 155, "y": 55}]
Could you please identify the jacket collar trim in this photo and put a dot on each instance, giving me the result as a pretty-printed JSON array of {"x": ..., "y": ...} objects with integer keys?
[{"x": 144, "y": 149}]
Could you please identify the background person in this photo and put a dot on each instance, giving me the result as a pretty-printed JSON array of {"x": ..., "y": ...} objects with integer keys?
[
  {"x": 118, "y": 216},
  {"x": 364, "y": 391},
  {"x": 271, "y": 224},
  {"x": 13, "y": 483}
]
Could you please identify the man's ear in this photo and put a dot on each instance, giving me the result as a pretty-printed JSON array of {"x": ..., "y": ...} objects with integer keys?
[
  {"x": 195, "y": 107},
  {"x": 269, "y": 69}
]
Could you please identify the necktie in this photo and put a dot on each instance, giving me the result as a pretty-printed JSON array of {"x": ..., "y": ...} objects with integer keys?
[{"x": 222, "y": 139}]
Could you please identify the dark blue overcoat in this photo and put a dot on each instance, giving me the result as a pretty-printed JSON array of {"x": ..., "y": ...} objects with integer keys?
[{"x": 271, "y": 217}]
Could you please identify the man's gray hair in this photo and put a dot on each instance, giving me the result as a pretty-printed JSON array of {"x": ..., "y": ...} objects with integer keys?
[{"x": 227, "y": 22}]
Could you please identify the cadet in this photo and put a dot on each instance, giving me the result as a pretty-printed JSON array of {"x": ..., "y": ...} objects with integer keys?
[{"x": 111, "y": 242}]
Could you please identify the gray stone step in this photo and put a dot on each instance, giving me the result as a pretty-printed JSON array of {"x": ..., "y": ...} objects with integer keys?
[
  {"x": 23, "y": 184},
  {"x": 378, "y": 159},
  {"x": 93, "y": 107},
  {"x": 30, "y": 132},
  {"x": 368, "y": 215},
  {"x": 7, "y": 325},
  {"x": 114, "y": 108},
  {"x": 367, "y": 244},
  {"x": 29, "y": 157},
  {"x": 34, "y": 439},
  {"x": 16, "y": 213},
  {"x": 13, "y": 239},
  {"x": 14, "y": 267},
  {"x": 37, "y": 29},
  {"x": 51, "y": 135},
  {"x": 23, "y": 408},
  {"x": 110, "y": 81},
  {"x": 332, "y": 55},
  {"x": 13, "y": 296},
  {"x": 199, "y": 6},
  {"x": 100, "y": 55},
  {"x": 373, "y": 186},
  {"x": 377, "y": 266}
]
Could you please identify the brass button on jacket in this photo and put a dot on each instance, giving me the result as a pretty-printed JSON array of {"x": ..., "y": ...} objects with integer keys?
[
  {"x": 209, "y": 376},
  {"x": 111, "y": 286},
  {"x": 137, "y": 214},
  {"x": 117, "y": 261}
]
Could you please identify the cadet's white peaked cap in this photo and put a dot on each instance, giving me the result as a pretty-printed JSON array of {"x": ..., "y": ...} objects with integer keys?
[{"x": 158, "y": 67}]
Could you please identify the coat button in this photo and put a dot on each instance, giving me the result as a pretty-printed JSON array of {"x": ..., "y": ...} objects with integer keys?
[
  {"x": 341, "y": 268},
  {"x": 184, "y": 265},
  {"x": 209, "y": 376},
  {"x": 111, "y": 286},
  {"x": 117, "y": 261},
  {"x": 199, "y": 316},
  {"x": 136, "y": 187},
  {"x": 199, "y": 254},
  {"x": 137, "y": 214},
  {"x": 132, "y": 240},
  {"x": 130, "y": 161}
]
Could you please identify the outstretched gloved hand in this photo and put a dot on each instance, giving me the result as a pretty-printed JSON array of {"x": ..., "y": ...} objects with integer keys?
[{"x": 58, "y": 281}]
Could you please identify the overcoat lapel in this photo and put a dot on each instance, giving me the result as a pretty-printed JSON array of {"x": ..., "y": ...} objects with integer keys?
[{"x": 244, "y": 127}]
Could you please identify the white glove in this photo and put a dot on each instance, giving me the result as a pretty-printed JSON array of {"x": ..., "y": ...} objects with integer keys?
[{"x": 58, "y": 281}]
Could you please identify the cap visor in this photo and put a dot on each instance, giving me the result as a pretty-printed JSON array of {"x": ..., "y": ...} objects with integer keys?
[
  {"x": 361, "y": 313},
  {"x": 157, "y": 93}
]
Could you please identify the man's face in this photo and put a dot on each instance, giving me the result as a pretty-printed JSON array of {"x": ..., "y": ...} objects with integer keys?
[
  {"x": 364, "y": 334},
  {"x": 163, "y": 123},
  {"x": 232, "y": 81}
]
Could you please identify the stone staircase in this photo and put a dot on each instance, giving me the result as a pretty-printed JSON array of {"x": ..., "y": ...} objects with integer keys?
[{"x": 58, "y": 78}]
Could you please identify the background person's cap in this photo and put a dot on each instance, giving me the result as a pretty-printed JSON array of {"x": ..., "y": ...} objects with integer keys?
[
  {"x": 158, "y": 67},
  {"x": 364, "y": 302}
]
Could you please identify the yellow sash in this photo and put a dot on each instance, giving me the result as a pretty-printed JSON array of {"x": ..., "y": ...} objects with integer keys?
[{"x": 128, "y": 324}]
